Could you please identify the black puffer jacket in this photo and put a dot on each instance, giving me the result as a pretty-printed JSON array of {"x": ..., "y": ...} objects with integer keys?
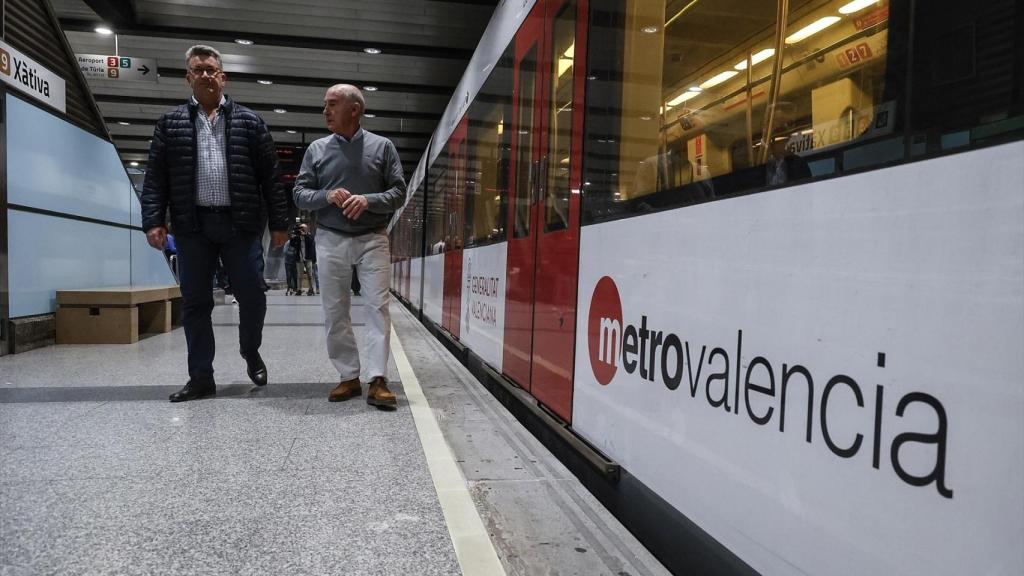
[{"x": 254, "y": 181}]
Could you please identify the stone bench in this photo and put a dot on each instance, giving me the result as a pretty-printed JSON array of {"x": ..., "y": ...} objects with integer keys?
[{"x": 116, "y": 315}]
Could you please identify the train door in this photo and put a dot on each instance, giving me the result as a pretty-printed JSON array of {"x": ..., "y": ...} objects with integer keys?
[
  {"x": 543, "y": 247},
  {"x": 454, "y": 213}
]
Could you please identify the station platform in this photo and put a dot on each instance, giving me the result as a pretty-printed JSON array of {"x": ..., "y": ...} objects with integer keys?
[{"x": 100, "y": 474}]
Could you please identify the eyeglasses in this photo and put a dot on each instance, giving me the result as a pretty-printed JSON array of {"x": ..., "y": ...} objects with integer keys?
[{"x": 211, "y": 72}]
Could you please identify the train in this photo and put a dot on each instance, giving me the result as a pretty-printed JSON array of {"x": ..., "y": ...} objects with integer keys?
[{"x": 766, "y": 257}]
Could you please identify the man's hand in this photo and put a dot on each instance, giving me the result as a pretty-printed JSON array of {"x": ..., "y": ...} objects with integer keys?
[
  {"x": 157, "y": 237},
  {"x": 354, "y": 207},
  {"x": 278, "y": 238},
  {"x": 338, "y": 196}
]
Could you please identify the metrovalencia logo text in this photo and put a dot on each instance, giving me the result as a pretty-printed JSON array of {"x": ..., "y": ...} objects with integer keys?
[{"x": 658, "y": 354}]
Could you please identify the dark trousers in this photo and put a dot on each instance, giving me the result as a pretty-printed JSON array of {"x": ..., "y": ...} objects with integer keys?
[
  {"x": 290, "y": 274},
  {"x": 242, "y": 255}
]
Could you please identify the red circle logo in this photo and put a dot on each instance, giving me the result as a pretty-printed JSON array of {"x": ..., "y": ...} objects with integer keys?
[{"x": 604, "y": 330}]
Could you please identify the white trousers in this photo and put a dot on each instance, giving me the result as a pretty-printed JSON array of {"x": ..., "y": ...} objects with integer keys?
[{"x": 370, "y": 253}]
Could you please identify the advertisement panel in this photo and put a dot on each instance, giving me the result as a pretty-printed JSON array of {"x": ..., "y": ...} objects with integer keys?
[
  {"x": 416, "y": 276},
  {"x": 483, "y": 301},
  {"x": 433, "y": 287},
  {"x": 828, "y": 378}
]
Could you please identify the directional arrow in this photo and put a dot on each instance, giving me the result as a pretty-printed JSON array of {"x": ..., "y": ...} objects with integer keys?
[{"x": 144, "y": 69}]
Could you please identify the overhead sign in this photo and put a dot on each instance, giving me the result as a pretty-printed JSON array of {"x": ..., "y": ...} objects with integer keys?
[
  {"x": 117, "y": 67},
  {"x": 29, "y": 77}
]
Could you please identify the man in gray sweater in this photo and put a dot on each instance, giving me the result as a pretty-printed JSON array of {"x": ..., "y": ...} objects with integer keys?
[{"x": 353, "y": 180}]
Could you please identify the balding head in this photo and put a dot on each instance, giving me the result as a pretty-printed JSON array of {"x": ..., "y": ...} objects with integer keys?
[
  {"x": 343, "y": 108},
  {"x": 351, "y": 94}
]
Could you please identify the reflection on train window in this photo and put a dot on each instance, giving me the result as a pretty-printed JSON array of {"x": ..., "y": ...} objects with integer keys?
[
  {"x": 437, "y": 177},
  {"x": 717, "y": 98},
  {"x": 693, "y": 100},
  {"x": 525, "y": 143},
  {"x": 556, "y": 204},
  {"x": 489, "y": 155}
]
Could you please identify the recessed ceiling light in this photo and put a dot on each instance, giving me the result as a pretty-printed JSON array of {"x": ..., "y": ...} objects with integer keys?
[
  {"x": 369, "y": 115},
  {"x": 265, "y": 82},
  {"x": 280, "y": 110},
  {"x": 645, "y": 117},
  {"x": 290, "y": 131},
  {"x": 756, "y": 58},
  {"x": 133, "y": 163},
  {"x": 104, "y": 30},
  {"x": 649, "y": 29},
  {"x": 856, "y": 6},
  {"x": 125, "y": 123},
  {"x": 372, "y": 50},
  {"x": 812, "y": 29},
  {"x": 694, "y": 89},
  {"x": 718, "y": 79},
  {"x": 244, "y": 42},
  {"x": 370, "y": 88}
]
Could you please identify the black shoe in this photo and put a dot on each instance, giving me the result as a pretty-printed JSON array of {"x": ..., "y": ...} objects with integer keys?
[
  {"x": 256, "y": 369},
  {"x": 194, "y": 390}
]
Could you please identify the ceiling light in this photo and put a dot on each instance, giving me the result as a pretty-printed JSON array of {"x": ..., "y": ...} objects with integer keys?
[
  {"x": 368, "y": 115},
  {"x": 856, "y": 6},
  {"x": 125, "y": 123},
  {"x": 756, "y": 58},
  {"x": 244, "y": 42},
  {"x": 104, "y": 30},
  {"x": 645, "y": 117},
  {"x": 280, "y": 110},
  {"x": 265, "y": 82},
  {"x": 133, "y": 164},
  {"x": 370, "y": 88},
  {"x": 682, "y": 98},
  {"x": 290, "y": 131},
  {"x": 718, "y": 79},
  {"x": 812, "y": 29},
  {"x": 649, "y": 29},
  {"x": 372, "y": 50}
]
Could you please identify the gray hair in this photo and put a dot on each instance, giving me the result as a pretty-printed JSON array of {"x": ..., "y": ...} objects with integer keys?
[
  {"x": 352, "y": 93},
  {"x": 202, "y": 51}
]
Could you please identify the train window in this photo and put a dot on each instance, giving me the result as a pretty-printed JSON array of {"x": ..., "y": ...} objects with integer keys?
[
  {"x": 435, "y": 192},
  {"x": 556, "y": 204},
  {"x": 454, "y": 196},
  {"x": 711, "y": 99},
  {"x": 967, "y": 80},
  {"x": 489, "y": 140},
  {"x": 525, "y": 143},
  {"x": 694, "y": 100}
]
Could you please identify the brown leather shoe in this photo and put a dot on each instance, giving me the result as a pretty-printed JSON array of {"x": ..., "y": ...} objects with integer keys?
[
  {"x": 345, "y": 390},
  {"x": 380, "y": 396}
]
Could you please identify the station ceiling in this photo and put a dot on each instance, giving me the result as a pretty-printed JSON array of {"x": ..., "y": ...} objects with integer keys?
[{"x": 298, "y": 48}]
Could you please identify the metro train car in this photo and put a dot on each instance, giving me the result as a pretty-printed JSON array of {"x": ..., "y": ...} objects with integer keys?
[{"x": 766, "y": 257}]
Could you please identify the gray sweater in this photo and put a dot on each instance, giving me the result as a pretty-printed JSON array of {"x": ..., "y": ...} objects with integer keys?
[{"x": 367, "y": 165}]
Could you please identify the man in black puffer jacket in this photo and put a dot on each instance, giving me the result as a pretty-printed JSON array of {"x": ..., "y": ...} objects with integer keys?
[{"x": 214, "y": 165}]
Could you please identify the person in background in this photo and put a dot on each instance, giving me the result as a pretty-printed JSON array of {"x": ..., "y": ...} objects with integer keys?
[
  {"x": 195, "y": 147},
  {"x": 291, "y": 260},
  {"x": 353, "y": 180},
  {"x": 309, "y": 261}
]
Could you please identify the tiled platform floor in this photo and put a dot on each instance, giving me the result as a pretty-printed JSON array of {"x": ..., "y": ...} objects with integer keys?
[{"x": 99, "y": 474}]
